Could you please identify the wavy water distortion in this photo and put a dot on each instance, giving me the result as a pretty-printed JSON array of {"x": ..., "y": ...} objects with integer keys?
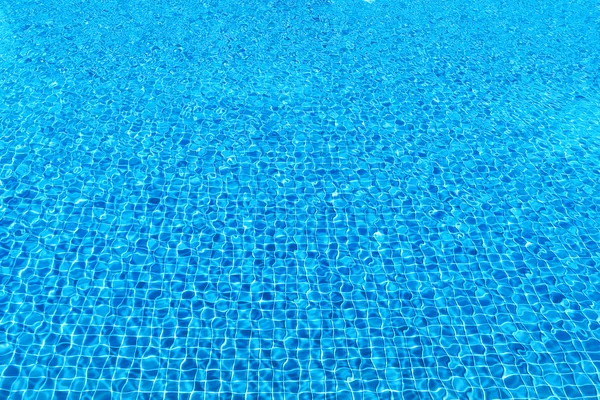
[{"x": 299, "y": 199}]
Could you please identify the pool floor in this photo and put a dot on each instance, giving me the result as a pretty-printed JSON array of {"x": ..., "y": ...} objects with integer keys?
[{"x": 299, "y": 199}]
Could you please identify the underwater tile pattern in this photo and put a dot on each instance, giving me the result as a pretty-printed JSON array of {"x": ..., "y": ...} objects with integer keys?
[{"x": 299, "y": 199}]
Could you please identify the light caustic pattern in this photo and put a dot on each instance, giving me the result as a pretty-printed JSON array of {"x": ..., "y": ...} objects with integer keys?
[{"x": 299, "y": 199}]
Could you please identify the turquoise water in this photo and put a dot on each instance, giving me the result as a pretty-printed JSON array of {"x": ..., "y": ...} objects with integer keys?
[{"x": 303, "y": 199}]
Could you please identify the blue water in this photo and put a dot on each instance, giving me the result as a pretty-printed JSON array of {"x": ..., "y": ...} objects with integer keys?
[{"x": 299, "y": 199}]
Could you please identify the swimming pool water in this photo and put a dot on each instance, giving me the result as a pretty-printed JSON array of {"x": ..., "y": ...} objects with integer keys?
[{"x": 306, "y": 199}]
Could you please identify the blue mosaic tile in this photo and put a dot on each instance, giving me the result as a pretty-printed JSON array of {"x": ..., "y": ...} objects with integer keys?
[{"x": 299, "y": 199}]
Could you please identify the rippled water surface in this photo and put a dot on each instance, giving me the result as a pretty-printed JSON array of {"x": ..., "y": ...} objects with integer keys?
[{"x": 299, "y": 199}]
